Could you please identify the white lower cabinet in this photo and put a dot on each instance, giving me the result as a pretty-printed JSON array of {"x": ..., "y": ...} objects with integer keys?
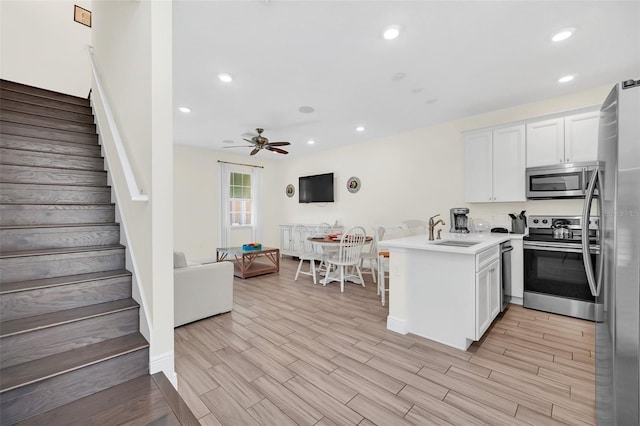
[
  {"x": 287, "y": 246},
  {"x": 487, "y": 297}
]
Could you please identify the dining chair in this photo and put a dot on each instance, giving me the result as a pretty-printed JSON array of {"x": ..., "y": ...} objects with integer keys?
[
  {"x": 324, "y": 229},
  {"x": 347, "y": 258},
  {"x": 305, "y": 251},
  {"x": 416, "y": 227},
  {"x": 371, "y": 254},
  {"x": 387, "y": 231}
]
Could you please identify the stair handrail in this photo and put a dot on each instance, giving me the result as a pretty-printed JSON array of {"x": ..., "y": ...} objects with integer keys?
[{"x": 134, "y": 190}]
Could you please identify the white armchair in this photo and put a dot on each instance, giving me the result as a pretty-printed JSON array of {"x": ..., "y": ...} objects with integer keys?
[{"x": 200, "y": 290}]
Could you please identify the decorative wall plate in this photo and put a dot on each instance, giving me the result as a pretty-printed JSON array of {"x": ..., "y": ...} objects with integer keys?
[
  {"x": 353, "y": 184},
  {"x": 290, "y": 190}
]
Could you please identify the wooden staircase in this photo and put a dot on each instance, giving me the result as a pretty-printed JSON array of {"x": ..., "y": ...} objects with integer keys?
[{"x": 68, "y": 325}]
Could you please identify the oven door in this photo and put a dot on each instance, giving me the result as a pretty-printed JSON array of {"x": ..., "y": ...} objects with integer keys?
[
  {"x": 557, "y": 182},
  {"x": 556, "y": 269}
]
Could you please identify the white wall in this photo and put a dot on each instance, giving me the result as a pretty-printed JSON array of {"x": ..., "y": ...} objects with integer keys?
[
  {"x": 416, "y": 174},
  {"x": 412, "y": 175},
  {"x": 196, "y": 195},
  {"x": 43, "y": 46},
  {"x": 133, "y": 50}
]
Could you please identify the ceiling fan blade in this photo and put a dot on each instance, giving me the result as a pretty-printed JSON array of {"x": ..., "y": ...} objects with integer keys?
[
  {"x": 255, "y": 151},
  {"x": 278, "y": 150},
  {"x": 279, "y": 143},
  {"x": 239, "y": 146}
]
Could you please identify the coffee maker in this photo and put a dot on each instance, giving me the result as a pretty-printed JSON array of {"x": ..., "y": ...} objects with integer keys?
[{"x": 459, "y": 220}]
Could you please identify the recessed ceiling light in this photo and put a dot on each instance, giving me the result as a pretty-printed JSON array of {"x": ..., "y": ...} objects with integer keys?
[
  {"x": 360, "y": 129},
  {"x": 306, "y": 109},
  {"x": 391, "y": 32},
  {"x": 566, "y": 78},
  {"x": 184, "y": 109},
  {"x": 563, "y": 35},
  {"x": 311, "y": 142},
  {"x": 225, "y": 77}
]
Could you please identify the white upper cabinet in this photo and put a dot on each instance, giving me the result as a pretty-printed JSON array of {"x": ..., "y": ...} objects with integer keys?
[
  {"x": 545, "y": 142},
  {"x": 509, "y": 164},
  {"x": 478, "y": 162},
  {"x": 569, "y": 139},
  {"x": 495, "y": 165},
  {"x": 581, "y": 137}
]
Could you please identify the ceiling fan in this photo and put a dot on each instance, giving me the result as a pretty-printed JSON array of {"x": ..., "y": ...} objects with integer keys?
[{"x": 259, "y": 142}]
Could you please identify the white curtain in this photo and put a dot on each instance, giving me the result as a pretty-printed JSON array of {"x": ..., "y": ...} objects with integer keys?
[
  {"x": 225, "y": 224},
  {"x": 256, "y": 203}
]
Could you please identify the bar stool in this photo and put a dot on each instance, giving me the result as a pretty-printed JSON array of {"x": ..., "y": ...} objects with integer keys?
[{"x": 382, "y": 275}]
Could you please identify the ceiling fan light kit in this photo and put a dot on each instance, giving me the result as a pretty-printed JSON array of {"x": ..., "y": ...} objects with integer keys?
[{"x": 259, "y": 142}]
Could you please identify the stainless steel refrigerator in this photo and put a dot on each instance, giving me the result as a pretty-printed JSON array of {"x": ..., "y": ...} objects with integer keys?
[{"x": 615, "y": 278}]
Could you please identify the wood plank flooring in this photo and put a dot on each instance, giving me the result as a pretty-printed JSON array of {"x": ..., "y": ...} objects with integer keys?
[{"x": 292, "y": 352}]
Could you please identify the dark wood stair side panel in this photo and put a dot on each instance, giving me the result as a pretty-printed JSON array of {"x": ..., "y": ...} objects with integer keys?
[
  {"x": 47, "y": 300},
  {"x": 18, "y": 129},
  {"x": 45, "y": 111},
  {"x": 19, "y": 157},
  {"x": 49, "y": 122},
  {"x": 44, "y": 368},
  {"x": 10, "y": 95},
  {"x": 175, "y": 401},
  {"x": 50, "y": 194},
  {"x": 24, "y": 402},
  {"x": 59, "y": 265},
  {"x": 40, "y": 343},
  {"x": 47, "y": 145},
  {"x": 138, "y": 401},
  {"x": 47, "y": 175},
  {"x": 58, "y": 236},
  {"x": 52, "y": 214},
  {"x": 43, "y": 93}
]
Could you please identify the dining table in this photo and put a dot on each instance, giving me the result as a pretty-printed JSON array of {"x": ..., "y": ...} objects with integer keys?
[{"x": 330, "y": 244}]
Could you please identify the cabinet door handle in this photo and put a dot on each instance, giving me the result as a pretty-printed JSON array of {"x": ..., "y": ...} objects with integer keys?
[{"x": 568, "y": 160}]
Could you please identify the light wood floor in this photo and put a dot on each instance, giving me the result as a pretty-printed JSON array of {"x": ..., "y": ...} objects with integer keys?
[{"x": 296, "y": 353}]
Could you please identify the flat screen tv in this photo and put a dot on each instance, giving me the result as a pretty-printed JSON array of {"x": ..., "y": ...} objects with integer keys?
[{"x": 316, "y": 188}]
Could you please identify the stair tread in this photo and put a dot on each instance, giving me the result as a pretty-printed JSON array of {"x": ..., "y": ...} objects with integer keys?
[
  {"x": 49, "y": 168},
  {"x": 56, "y": 204},
  {"x": 59, "y": 225},
  {"x": 53, "y": 365},
  {"x": 8, "y": 127},
  {"x": 43, "y": 252},
  {"x": 47, "y": 154},
  {"x": 113, "y": 406},
  {"x": 31, "y": 119},
  {"x": 37, "y": 322},
  {"x": 30, "y": 106},
  {"x": 63, "y": 186},
  {"x": 60, "y": 281}
]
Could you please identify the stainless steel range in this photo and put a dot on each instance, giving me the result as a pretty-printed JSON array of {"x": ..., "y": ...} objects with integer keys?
[{"x": 555, "y": 279}]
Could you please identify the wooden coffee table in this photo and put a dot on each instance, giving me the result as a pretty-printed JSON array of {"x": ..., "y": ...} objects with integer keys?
[{"x": 249, "y": 263}]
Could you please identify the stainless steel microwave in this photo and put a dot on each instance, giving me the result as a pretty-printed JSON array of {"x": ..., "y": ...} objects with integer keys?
[{"x": 568, "y": 180}]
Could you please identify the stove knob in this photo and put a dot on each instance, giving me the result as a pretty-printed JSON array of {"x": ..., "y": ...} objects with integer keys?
[
  {"x": 545, "y": 221},
  {"x": 597, "y": 221},
  {"x": 535, "y": 221}
]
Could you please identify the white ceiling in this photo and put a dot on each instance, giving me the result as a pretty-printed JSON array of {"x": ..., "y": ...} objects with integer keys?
[{"x": 458, "y": 59}]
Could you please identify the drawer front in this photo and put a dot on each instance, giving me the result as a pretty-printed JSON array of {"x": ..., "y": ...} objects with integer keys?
[{"x": 487, "y": 256}]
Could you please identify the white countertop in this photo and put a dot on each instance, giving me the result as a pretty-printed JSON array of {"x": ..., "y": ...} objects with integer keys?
[{"x": 421, "y": 242}]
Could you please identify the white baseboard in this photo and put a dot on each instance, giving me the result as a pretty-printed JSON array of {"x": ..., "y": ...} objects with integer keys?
[
  {"x": 165, "y": 363},
  {"x": 398, "y": 325}
]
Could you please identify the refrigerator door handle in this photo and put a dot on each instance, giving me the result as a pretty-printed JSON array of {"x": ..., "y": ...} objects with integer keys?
[{"x": 586, "y": 211}]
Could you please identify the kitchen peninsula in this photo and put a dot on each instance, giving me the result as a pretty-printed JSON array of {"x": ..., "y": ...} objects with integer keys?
[{"x": 445, "y": 290}]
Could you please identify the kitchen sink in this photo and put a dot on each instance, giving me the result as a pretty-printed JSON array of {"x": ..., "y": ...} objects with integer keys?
[{"x": 456, "y": 243}]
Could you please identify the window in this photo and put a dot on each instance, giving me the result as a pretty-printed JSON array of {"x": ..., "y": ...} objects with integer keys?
[{"x": 240, "y": 199}]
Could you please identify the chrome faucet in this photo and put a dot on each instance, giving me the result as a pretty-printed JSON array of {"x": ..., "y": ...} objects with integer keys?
[{"x": 433, "y": 224}]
